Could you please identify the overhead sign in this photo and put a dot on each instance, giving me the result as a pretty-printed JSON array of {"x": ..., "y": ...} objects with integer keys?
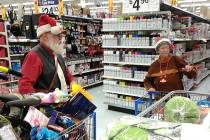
[
  {"x": 136, "y": 6},
  {"x": 48, "y": 6}
]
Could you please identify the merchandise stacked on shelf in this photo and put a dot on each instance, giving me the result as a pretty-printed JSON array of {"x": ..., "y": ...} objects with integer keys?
[
  {"x": 194, "y": 52},
  {"x": 129, "y": 47},
  {"x": 128, "y": 88},
  {"x": 185, "y": 30},
  {"x": 18, "y": 48},
  {"x": 84, "y": 52},
  {"x": 124, "y": 73},
  {"x": 139, "y": 23},
  {"x": 129, "y": 51},
  {"x": 5, "y": 59}
]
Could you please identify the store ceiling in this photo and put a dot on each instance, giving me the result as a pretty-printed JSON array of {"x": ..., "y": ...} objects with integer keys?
[
  {"x": 14, "y": 1},
  {"x": 190, "y": 5}
]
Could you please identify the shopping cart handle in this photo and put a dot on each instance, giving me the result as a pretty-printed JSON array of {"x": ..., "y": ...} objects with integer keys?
[
  {"x": 153, "y": 92},
  {"x": 8, "y": 97},
  {"x": 31, "y": 101}
]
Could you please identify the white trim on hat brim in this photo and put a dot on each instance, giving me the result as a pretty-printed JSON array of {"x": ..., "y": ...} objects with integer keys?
[
  {"x": 43, "y": 29},
  {"x": 162, "y": 40},
  {"x": 56, "y": 30},
  {"x": 47, "y": 28}
]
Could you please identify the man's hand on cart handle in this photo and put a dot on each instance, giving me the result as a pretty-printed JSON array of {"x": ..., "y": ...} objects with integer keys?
[
  {"x": 151, "y": 89},
  {"x": 76, "y": 88}
]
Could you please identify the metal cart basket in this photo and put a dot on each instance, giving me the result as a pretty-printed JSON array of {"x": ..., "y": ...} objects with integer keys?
[
  {"x": 155, "y": 111},
  {"x": 83, "y": 130}
]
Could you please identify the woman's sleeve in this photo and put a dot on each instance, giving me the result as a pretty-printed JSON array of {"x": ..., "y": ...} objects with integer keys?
[
  {"x": 149, "y": 81},
  {"x": 181, "y": 63}
]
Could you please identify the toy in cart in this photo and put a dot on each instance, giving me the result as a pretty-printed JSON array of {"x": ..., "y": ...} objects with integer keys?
[
  {"x": 56, "y": 115},
  {"x": 179, "y": 115}
]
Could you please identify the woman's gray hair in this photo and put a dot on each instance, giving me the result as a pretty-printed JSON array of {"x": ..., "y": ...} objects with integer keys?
[{"x": 162, "y": 43}]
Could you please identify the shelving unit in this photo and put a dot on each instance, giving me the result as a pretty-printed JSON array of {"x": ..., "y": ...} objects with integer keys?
[
  {"x": 125, "y": 79},
  {"x": 96, "y": 83},
  {"x": 18, "y": 47},
  {"x": 5, "y": 56},
  {"x": 128, "y": 47},
  {"x": 87, "y": 71},
  {"x": 84, "y": 34},
  {"x": 127, "y": 63},
  {"x": 122, "y": 31}
]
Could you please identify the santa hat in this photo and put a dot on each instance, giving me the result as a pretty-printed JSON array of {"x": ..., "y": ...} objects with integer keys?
[
  {"x": 48, "y": 24},
  {"x": 161, "y": 40}
]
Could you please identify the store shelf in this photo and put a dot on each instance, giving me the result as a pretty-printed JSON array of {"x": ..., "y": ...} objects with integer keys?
[
  {"x": 13, "y": 55},
  {"x": 199, "y": 60},
  {"x": 92, "y": 70},
  {"x": 127, "y": 30},
  {"x": 128, "y": 94},
  {"x": 85, "y": 60},
  {"x": 121, "y": 106},
  {"x": 5, "y": 46},
  {"x": 126, "y": 79},
  {"x": 4, "y": 58},
  {"x": 126, "y": 63},
  {"x": 180, "y": 12},
  {"x": 99, "y": 82},
  {"x": 186, "y": 39},
  {"x": 15, "y": 61},
  {"x": 81, "y": 19},
  {"x": 3, "y": 33},
  {"x": 13, "y": 40},
  {"x": 3, "y": 83},
  {"x": 129, "y": 47},
  {"x": 198, "y": 82}
]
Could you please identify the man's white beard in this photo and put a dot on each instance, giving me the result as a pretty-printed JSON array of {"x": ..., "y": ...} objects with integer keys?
[{"x": 56, "y": 48}]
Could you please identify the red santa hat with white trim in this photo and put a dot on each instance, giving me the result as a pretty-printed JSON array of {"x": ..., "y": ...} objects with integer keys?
[
  {"x": 48, "y": 24},
  {"x": 162, "y": 40}
]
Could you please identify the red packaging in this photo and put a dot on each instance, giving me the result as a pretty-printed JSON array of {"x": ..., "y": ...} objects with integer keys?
[
  {"x": 2, "y": 27},
  {"x": 2, "y": 40},
  {"x": 4, "y": 63},
  {"x": 3, "y": 52}
]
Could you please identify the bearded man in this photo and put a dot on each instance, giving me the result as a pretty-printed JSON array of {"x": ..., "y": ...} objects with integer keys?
[{"x": 44, "y": 68}]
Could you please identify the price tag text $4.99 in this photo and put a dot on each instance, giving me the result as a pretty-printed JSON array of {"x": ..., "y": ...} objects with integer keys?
[{"x": 137, "y": 3}]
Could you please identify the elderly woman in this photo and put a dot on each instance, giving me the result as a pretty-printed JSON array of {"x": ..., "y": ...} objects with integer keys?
[{"x": 166, "y": 73}]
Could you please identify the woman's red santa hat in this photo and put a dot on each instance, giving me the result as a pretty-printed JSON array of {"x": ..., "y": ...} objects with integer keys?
[
  {"x": 163, "y": 40},
  {"x": 48, "y": 24}
]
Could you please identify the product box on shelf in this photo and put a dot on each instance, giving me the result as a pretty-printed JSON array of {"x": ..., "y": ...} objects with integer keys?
[
  {"x": 2, "y": 40},
  {"x": 204, "y": 11},
  {"x": 179, "y": 49},
  {"x": 16, "y": 65},
  {"x": 3, "y": 52},
  {"x": 2, "y": 26}
]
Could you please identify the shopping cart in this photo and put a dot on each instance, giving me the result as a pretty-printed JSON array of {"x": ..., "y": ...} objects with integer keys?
[
  {"x": 82, "y": 130},
  {"x": 155, "y": 111},
  {"x": 84, "y": 127},
  {"x": 147, "y": 100}
]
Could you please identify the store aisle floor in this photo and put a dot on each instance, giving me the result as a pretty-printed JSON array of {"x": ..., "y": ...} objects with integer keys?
[{"x": 105, "y": 116}]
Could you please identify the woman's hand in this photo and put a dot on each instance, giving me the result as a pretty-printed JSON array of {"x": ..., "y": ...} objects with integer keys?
[{"x": 187, "y": 68}]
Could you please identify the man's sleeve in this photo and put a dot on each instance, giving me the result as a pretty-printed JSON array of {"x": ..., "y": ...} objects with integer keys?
[
  {"x": 31, "y": 70},
  {"x": 69, "y": 76}
]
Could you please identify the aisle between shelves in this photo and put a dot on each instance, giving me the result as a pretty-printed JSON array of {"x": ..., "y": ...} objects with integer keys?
[{"x": 121, "y": 58}]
